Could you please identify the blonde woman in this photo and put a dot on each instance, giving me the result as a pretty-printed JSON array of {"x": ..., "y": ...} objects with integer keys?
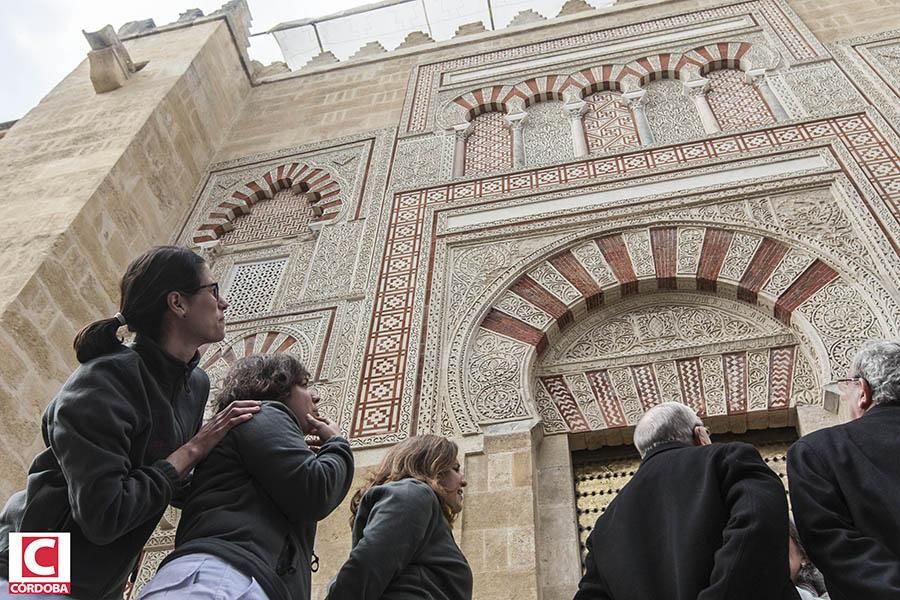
[{"x": 403, "y": 547}]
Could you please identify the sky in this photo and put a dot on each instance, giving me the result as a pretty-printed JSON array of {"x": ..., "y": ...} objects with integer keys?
[{"x": 41, "y": 40}]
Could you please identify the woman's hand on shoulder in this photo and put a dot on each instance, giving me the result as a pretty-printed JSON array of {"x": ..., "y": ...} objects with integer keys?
[{"x": 211, "y": 433}]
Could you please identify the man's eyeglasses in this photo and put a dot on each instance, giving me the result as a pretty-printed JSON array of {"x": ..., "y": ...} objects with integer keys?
[
  {"x": 844, "y": 384},
  {"x": 213, "y": 289}
]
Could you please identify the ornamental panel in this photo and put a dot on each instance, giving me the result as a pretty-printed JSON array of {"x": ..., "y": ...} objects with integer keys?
[
  {"x": 671, "y": 114},
  {"x": 735, "y": 102},
  {"x": 489, "y": 145},
  {"x": 547, "y": 134},
  {"x": 609, "y": 124}
]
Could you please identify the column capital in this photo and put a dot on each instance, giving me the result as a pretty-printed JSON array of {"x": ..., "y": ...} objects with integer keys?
[
  {"x": 516, "y": 119},
  {"x": 575, "y": 109},
  {"x": 461, "y": 130},
  {"x": 635, "y": 98},
  {"x": 755, "y": 77},
  {"x": 696, "y": 87}
]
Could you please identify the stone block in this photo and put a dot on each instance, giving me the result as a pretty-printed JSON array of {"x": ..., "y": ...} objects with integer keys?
[
  {"x": 554, "y": 451},
  {"x": 496, "y": 549},
  {"x": 522, "y": 469},
  {"x": 500, "y": 467},
  {"x": 476, "y": 471},
  {"x": 507, "y": 508},
  {"x": 504, "y": 585},
  {"x": 473, "y": 547},
  {"x": 555, "y": 486},
  {"x": 521, "y": 543}
]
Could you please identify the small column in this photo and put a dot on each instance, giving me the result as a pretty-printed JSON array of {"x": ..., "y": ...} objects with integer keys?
[
  {"x": 635, "y": 100},
  {"x": 697, "y": 89},
  {"x": 757, "y": 78},
  {"x": 516, "y": 121},
  {"x": 460, "y": 133},
  {"x": 575, "y": 110}
]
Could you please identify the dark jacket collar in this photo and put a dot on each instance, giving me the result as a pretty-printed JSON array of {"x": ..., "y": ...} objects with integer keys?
[
  {"x": 162, "y": 364},
  {"x": 662, "y": 448},
  {"x": 882, "y": 408}
]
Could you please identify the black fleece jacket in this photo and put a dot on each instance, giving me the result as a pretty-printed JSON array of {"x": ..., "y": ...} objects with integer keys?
[
  {"x": 403, "y": 549},
  {"x": 255, "y": 501},
  {"x": 104, "y": 476}
]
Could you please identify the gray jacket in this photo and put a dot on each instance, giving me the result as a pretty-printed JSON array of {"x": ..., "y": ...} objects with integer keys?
[
  {"x": 255, "y": 501},
  {"x": 403, "y": 549}
]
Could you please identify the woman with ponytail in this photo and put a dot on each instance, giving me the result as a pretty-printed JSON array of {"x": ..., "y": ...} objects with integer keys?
[
  {"x": 403, "y": 547},
  {"x": 125, "y": 430}
]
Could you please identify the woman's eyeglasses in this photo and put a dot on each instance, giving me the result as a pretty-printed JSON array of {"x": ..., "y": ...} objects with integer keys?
[{"x": 213, "y": 289}]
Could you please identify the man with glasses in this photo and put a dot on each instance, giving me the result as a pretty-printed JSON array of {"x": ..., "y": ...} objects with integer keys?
[
  {"x": 698, "y": 521},
  {"x": 845, "y": 482}
]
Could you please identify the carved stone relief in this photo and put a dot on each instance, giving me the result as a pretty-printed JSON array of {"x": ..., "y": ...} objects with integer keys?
[
  {"x": 822, "y": 89},
  {"x": 331, "y": 270},
  {"x": 659, "y": 322},
  {"x": 421, "y": 161},
  {"x": 495, "y": 381},
  {"x": 671, "y": 114},
  {"x": 547, "y": 134}
]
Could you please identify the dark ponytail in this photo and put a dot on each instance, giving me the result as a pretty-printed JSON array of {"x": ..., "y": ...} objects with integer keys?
[{"x": 144, "y": 287}]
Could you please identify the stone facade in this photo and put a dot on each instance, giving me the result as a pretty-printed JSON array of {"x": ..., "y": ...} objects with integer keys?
[{"x": 520, "y": 239}]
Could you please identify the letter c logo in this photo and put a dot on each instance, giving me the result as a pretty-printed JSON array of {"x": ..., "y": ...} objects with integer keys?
[{"x": 30, "y": 557}]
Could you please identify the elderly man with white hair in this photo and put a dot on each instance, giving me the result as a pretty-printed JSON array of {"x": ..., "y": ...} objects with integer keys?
[
  {"x": 698, "y": 521},
  {"x": 845, "y": 482}
]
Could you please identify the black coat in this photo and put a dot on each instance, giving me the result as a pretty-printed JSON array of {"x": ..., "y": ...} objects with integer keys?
[
  {"x": 255, "y": 501},
  {"x": 845, "y": 491},
  {"x": 403, "y": 549},
  {"x": 104, "y": 476},
  {"x": 694, "y": 523}
]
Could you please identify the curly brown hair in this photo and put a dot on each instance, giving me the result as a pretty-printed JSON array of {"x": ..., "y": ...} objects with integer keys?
[
  {"x": 423, "y": 457},
  {"x": 262, "y": 377}
]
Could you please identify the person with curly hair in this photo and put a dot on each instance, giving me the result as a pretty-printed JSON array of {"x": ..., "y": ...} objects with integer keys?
[
  {"x": 249, "y": 523},
  {"x": 403, "y": 547}
]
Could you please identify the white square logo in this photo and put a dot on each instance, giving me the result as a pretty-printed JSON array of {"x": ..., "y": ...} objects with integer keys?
[{"x": 40, "y": 563}]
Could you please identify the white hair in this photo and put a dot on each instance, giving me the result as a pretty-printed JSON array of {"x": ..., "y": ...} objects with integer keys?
[
  {"x": 666, "y": 422},
  {"x": 878, "y": 362}
]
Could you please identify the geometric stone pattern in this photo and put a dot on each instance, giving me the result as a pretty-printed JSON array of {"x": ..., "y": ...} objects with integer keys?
[
  {"x": 736, "y": 103},
  {"x": 489, "y": 145},
  {"x": 608, "y": 124},
  {"x": 418, "y": 111},
  {"x": 254, "y": 286},
  {"x": 387, "y": 350},
  {"x": 285, "y": 214}
]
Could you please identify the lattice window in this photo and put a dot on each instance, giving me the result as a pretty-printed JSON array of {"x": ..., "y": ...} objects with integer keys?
[
  {"x": 287, "y": 213},
  {"x": 671, "y": 114},
  {"x": 608, "y": 124},
  {"x": 252, "y": 288},
  {"x": 547, "y": 134},
  {"x": 736, "y": 103},
  {"x": 489, "y": 145}
]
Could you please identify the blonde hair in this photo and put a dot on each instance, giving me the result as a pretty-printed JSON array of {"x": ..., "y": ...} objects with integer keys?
[{"x": 422, "y": 457}]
